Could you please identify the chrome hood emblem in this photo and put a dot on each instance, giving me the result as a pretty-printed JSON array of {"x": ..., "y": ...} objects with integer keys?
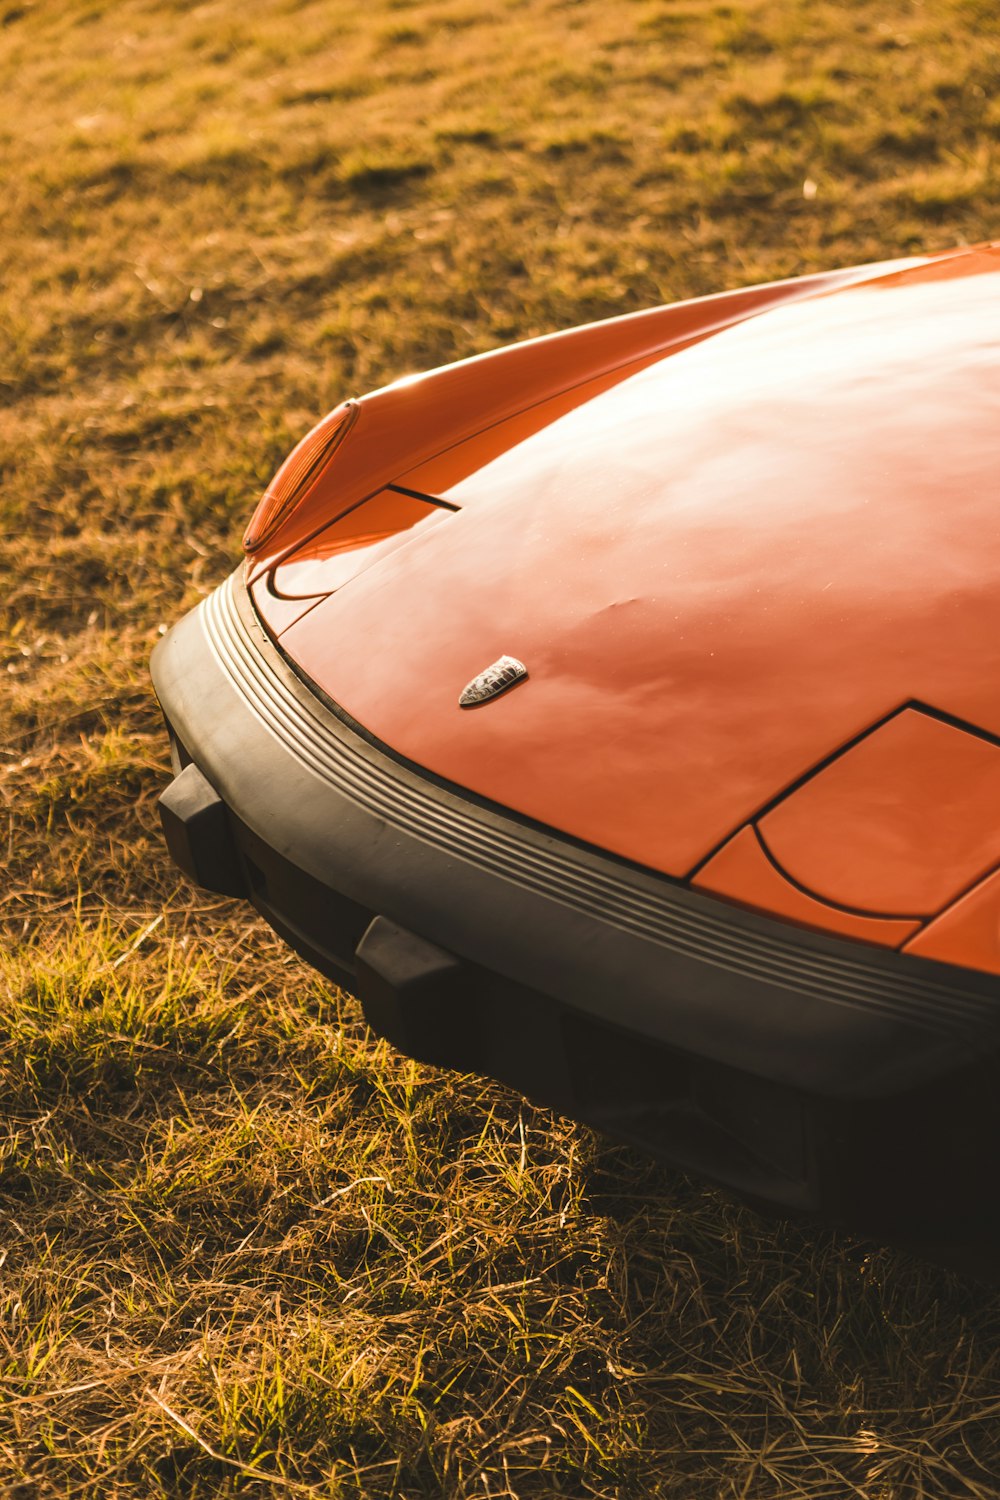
[{"x": 503, "y": 674}]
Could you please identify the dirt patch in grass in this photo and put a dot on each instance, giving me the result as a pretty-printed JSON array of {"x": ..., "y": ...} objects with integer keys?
[{"x": 246, "y": 1248}]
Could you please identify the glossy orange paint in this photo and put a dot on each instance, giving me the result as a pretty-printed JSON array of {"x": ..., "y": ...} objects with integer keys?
[
  {"x": 342, "y": 550},
  {"x": 721, "y": 563},
  {"x": 967, "y": 933},
  {"x": 742, "y": 871},
  {"x": 850, "y": 834},
  {"x": 279, "y": 613},
  {"x": 354, "y": 542},
  {"x": 420, "y": 416}
]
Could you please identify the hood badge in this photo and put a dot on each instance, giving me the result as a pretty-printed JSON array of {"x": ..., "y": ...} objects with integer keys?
[{"x": 496, "y": 679}]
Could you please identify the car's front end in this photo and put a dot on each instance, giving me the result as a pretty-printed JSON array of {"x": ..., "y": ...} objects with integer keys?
[{"x": 609, "y": 721}]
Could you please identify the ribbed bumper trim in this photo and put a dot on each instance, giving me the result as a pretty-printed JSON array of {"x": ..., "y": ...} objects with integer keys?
[{"x": 634, "y": 901}]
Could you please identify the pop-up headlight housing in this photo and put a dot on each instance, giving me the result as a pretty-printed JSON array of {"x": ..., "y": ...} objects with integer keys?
[{"x": 297, "y": 475}]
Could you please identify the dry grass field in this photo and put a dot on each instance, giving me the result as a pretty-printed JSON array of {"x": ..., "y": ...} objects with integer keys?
[{"x": 245, "y": 1249}]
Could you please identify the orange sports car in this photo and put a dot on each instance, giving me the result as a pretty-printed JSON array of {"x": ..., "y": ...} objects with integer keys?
[{"x": 618, "y": 714}]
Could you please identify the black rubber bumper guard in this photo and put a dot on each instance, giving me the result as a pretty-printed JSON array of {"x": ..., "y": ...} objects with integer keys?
[{"x": 802, "y": 1072}]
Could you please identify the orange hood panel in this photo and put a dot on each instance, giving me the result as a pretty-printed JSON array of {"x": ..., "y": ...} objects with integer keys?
[{"x": 719, "y": 572}]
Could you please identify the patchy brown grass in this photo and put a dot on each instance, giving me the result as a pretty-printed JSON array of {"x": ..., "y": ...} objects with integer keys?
[{"x": 247, "y": 1249}]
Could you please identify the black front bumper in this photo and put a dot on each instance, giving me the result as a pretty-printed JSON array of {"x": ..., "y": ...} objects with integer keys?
[{"x": 804, "y": 1071}]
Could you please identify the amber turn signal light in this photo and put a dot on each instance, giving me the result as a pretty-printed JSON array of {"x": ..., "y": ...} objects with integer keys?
[{"x": 296, "y": 475}]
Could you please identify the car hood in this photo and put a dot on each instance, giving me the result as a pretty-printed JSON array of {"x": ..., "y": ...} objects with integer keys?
[{"x": 725, "y": 575}]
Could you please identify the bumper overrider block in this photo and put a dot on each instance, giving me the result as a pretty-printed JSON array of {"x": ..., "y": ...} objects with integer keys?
[{"x": 798, "y": 1070}]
